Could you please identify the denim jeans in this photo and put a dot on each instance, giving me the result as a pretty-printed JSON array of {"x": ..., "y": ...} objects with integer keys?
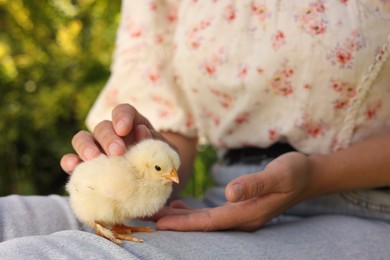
[{"x": 352, "y": 225}]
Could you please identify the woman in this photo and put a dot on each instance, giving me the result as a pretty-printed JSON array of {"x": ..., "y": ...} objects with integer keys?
[{"x": 292, "y": 94}]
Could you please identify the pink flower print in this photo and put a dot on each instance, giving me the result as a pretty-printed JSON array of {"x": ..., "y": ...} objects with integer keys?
[
  {"x": 346, "y": 92},
  {"x": 337, "y": 85},
  {"x": 345, "y": 88},
  {"x": 133, "y": 30},
  {"x": 317, "y": 27},
  {"x": 153, "y": 6},
  {"x": 318, "y": 6},
  {"x": 356, "y": 41},
  {"x": 153, "y": 74},
  {"x": 110, "y": 97},
  {"x": 135, "y": 33},
  {"x": 278, "y": 40},
  {"x": 190, "y": 121},
  {"x": 280, "y": 82},
  {"x": 194, "y": 41},
  {"x": 212, "y": 116},
  {"x": 230, "y": 13},
  {"x": 225, "y": 100},
  {"x": 162, "y": 113},
  {"x": 242, "y": 118},
  {"x": 351, "y": 44},
  {"x": 194, "y": 36},
  {"x": 159, "y": 39},
  {"x": 161, "y": 100},
  {"x": 243, "y": 71},
  {"x": 172, "y": 14},
  {"x": 379, "y": 53},
  {"x": 273, "y": 134},
  {"x": 307, "y": 15},
  {"x": 260, "y": 10},
  {"x": 312, "y": 19},
  {"x": 350, "y": 91},
  {"x": 204, "y": 24},
  {"x": 281, "y": 85},
  {"x": 210, "y": 65},
  {"x": 372, "y": 109},
  {"x": 343, "y": 53},
  {"x": 311, "y": 127},
  {"x": 154, "y": 77},
  {"x": 345, "y": 2},
  {"x": 307, "y": 86},
  {"x": 341, "y": 56},
  {"x": 287, "y": 72},
  {"x": 260, "y": 70},
  {"x": 341, "y": 103},
  {"x": 210, "y": 68},
  {"x": 165, "y": 108}
]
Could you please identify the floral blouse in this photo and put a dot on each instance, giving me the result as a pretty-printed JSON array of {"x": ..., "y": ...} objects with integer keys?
[{"x": 313, "y": 73}]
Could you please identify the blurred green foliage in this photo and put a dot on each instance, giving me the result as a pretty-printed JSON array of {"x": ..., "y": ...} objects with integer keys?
[{"x": 54, "y": 59}]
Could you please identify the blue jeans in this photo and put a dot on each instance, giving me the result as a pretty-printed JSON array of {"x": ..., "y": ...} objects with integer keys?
[{"x": 353, "y": 225}]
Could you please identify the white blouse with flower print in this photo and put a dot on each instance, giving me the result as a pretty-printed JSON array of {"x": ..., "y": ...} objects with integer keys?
[{"x": 313, "y": 73}]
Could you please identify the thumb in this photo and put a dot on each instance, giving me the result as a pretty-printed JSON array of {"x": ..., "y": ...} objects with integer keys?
[{"x": 248, "y": 186}]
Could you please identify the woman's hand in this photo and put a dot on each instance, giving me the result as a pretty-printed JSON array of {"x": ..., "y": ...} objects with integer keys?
[
  {"x": 110, "y": 137},
  {"x": 253, "y": 199}
]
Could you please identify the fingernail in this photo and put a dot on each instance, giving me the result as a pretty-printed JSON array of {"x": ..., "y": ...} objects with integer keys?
[
  {"x": 113, "y": 148},
  {"x": 71, "y": 163},
  {"x": 237, "y": 191},
  {"x": 90, "y": 153},
  {"x": 121, "y": 124},
  {"x": 162, "y": 225}
]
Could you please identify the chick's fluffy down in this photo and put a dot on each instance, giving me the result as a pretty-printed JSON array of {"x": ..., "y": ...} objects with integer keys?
[{"x": 115, "y": 189}]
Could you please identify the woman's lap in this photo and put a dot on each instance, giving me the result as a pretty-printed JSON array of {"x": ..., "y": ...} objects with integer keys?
[
  {"x": 34, "y": 215},
  {"x": 315, "y": 237}
]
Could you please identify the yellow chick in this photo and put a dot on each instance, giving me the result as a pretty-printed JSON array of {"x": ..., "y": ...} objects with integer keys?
[{"x": 106, "y": 191}]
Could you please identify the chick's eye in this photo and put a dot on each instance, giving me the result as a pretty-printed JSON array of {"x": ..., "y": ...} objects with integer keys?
[{"x": 157, "y": 168}]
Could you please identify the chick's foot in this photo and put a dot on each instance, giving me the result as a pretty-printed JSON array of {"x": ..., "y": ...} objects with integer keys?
[
  {"x": 117, "y": 232},
  {"x": 123, "y": 229}
]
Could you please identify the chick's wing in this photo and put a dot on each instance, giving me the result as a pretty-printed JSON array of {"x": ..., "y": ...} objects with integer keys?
[{"x": 108, "y": 178}]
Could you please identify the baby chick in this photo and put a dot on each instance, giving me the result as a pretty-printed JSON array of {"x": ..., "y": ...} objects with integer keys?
[{"x": 106, "y": 191}]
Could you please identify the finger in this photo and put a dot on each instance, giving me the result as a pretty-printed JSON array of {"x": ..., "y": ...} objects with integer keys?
[
  {"x": 167, "y": 211},
  {"x": 125, "y": 117},
  {"x": 220, "y": 218},
  {"x": 250, "y": 186},
  {"x": 69, "y": 162},
  {"x": 197, "y": 220},
  {"x": 111, "y": 143},
  {"x": 85, "y": 146}
]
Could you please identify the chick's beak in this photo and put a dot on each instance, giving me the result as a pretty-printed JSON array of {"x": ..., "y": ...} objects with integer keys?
[{"x": 173, "y": 176}]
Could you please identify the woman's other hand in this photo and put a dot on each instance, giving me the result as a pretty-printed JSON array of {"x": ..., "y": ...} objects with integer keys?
[{"x": 253, "y": 199}]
